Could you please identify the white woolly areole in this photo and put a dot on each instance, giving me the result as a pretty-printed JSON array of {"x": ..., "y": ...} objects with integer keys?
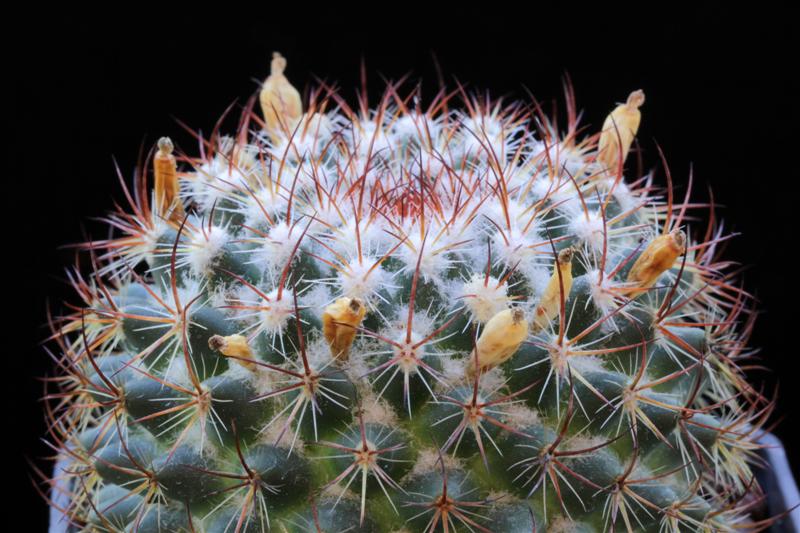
[
  {"x": 277, "y": 247},
  {"x": 318, "y": 353},
  {"x": 370, "y": 139},
  {"x": 484, "y": 298},
  {"x": 219, "y": 296},
  {"x": 603, "y": 292},
  {"x": 513, "y": 248},
  {"x": 191, "y": 289},
  {"x": 428, "y": 162},
  {"x": 454, "y": 371},
  {"x": 567, "y": 157},
  {"x": 214, "y": 181},
  {"x": 433, "y": 260},
  {"x": 519, "y": 416},
  {"x": 492, "y": 380},
  {"x": 417, "y": 127},
  {"x": 316, "y": 299},
  {"x": 261, "y": 201},
  {"x": 589, "y": 230},
  {"x": 481, "y": 136},
  {"x": 243, "y": 374},
  {"x": 150, "y": 245},
  {"x": 276, "y": 312},
  {"x": 309, "y": 139},
  {"x": 374, "y": 240},
  {"x": 377, "y": 411},
  {"x": 275, "y": 435},
  {"x": 358, "y": 366},
  {"x": 561, "y": 524},
  {"x": 561, "y": 358},
  {"x": 560, "y": 192},
  {"x": 518, "y": 213},
  {"x": 204, "y": 248},
  {"x": 407, "y": 351},
  {"x": 360, "y": 280},
  {"x": 423, "y": 323},
  {"x": 586, "y": 365},
  {"x": 203, "y": 438},
  {"x": 622, "y": 193},
  {"x": 428, "y": 461}
]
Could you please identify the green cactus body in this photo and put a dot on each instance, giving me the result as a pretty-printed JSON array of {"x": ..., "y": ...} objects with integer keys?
[{"x": 406, "y": 319}]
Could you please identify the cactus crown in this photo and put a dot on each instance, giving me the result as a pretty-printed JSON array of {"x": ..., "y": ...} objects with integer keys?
[{"x": 405, "y": 318}]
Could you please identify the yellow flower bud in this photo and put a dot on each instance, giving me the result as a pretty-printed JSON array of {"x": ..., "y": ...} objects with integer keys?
[
  {"x": 280, "y": 101},
  {"x": 233, "y": 346},
  {"x": 165, "y": 171},
  {"x": 339, "y": 323},
  {"x": 658, "y": 257},
  {"x": 499, "y": 340},
  {"x": 550, "y": 303},
  {"x": 619, "y": 129}
]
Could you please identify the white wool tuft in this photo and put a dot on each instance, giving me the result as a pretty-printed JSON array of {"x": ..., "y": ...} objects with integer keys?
[
  {"x": 214, "y": 182},
  {"x": 513, "y": 248},
  {"x": 318, "y": 353},
  {"x": 428, "y": 460},
  {"x": 277, "y": 247},
  {"x": 482, "y": 137},
  {"x": 492, "y": 380},
  {"x": 603, "y": 292},
  {"x": 589, "y": 230},
  {"x": 519, "y": 416},
  {"x": 316, "y": 299},
  {"x": 454, "y": 370},
  {"x": 374, "y": 240},
  {"x": 264, "y": 200},
  {"x": 415, "y": 127},
  {"x": 309, "y": 139},
  {"x": 361, "y": 280},
  {"x": 276, "y": 312},
  {"x": 433, "y": 262},
  {"x": 484, "y": 298},
  {"x": 271, "y": 435},
  {"x": 204, "y": 248},
  {"x": 368, "y": 138}
]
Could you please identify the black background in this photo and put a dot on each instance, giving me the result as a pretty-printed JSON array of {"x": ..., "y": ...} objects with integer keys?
[{"x": 721, "y": 96}]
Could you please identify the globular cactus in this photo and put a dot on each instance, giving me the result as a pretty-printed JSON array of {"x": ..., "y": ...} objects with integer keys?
[{"x": 452, "y": 317}]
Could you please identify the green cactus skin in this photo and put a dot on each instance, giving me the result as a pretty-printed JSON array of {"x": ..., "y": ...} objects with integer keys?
[{"x": 199, "y": 388}]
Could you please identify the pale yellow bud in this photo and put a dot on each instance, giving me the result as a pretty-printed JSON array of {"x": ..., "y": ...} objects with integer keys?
[
  {"x": 499, "y": 340},
  {"x": 165, "y": 172},
  {"x": 339, "y": 324},
  {"x": 234, "y": 346},
  {"x": 550, "y": 303},
  {"x": 280, "y": 101},
  {"x": 658, "y": 257},
  {"x": 619, "y": 130}
]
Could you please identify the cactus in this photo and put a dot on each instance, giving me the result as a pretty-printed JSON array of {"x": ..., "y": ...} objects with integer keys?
[{"x": 459, "y": 317}]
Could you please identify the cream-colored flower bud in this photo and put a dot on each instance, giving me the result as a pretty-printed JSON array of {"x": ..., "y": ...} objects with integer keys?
[
  {"x": 165, "y": 172},
  {"x": 550, "y": 303},
  {"x": 619, "y": 130},
  {"x": 658, "y": 257},
  {"x": 339, "y": 325},
  {"x": 234, "y": 346},
  {"x": 280, "y": 101},
  {"x": 500, "y": 339}
]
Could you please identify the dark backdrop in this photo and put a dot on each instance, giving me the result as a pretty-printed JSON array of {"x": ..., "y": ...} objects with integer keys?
[{"x": 720, "y": 88}]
